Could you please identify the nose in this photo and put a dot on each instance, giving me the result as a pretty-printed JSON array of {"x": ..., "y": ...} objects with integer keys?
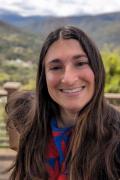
[{"x": 70, "y": 76}]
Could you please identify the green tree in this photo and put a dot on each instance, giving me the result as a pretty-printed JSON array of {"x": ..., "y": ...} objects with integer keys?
[{"x": 112, "y": 67}]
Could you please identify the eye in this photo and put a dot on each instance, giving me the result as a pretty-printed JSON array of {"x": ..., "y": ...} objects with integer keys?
[
  {"x": 55, "y": 68},
  {"x": 82, "y": 63}
]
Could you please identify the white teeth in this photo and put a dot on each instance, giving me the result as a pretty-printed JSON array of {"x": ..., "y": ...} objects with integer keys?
[{"x": 73, "y": 90}]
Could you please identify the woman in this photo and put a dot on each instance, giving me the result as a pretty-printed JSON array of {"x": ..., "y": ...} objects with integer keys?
[
  {"x": 18, "y": 107},
  {"x": 75, "y": 134}
]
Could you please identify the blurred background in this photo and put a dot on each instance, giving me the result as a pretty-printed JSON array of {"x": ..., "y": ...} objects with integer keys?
[
  {"x": 23, "y": 28},
  {"x": 25, "y": 24}
]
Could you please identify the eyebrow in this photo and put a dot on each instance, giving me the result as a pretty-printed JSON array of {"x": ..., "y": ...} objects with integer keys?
[
  {"x": 79, "y": 56},
  {"x": 57, "y": 60},
  {"x": 54, "y": 61}
]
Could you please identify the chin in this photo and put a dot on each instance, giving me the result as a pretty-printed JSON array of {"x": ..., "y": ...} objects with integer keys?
[{"x": 75, "y": 108}]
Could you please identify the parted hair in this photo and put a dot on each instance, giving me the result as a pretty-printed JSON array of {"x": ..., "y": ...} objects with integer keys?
[{"x": 95, "y": 142}]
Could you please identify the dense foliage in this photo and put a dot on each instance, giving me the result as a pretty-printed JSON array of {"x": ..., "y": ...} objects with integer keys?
[{"x": 112, "y": 66}]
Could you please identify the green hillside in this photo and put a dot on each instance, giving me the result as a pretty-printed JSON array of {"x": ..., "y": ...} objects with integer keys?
[{"x": 19, "y": 50}]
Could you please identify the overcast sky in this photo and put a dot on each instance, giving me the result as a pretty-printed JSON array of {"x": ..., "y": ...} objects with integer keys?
[{"x": 60, "y": 7}]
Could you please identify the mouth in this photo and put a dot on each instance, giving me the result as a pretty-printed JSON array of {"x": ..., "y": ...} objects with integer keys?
[{"x": 73, "y": 90}]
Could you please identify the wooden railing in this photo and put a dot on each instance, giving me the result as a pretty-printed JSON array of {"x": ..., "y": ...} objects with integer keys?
[
  {"x": 8, "y": 88},
  {"x": 11, "y": 87},
  {"x": 114, "y": 98}
]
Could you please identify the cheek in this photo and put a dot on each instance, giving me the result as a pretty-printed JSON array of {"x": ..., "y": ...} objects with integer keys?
[
  {"x": 89, "y": 77},
  {"x": 51, "y": 80}
]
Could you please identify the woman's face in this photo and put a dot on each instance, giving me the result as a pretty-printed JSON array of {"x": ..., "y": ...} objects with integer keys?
[{"x": 70, "y": 80}]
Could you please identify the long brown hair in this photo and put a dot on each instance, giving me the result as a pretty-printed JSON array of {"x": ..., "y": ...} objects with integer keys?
[
  {"x": 18, "y": 106},
  {"x": 96, "y": 135}
]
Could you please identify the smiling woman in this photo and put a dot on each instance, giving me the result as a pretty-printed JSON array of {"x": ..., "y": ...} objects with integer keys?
[
  {"x": 75, "y": 133},
  {"x": 69, "y": 78}
]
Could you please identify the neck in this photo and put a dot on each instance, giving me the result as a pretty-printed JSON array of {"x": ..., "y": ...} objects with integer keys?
[{"x": 67, "y": 118}]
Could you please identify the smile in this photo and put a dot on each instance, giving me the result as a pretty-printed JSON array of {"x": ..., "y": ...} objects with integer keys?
[{"x": 75, "y": 90}]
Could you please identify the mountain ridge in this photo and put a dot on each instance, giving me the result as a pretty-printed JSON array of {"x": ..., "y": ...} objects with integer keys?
[{"x": 103, "y": 28}]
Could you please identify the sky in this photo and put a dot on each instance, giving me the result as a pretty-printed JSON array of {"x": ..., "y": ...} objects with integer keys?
[{"x": 60, "y": 7}]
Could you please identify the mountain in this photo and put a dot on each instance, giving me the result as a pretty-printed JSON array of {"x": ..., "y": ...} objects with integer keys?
[
  {"x": 9, "y": 16},
  {"x": 7, "y": 28},
  {"x": 16, "y": 44},
  {"x": 104, "y": 28}
]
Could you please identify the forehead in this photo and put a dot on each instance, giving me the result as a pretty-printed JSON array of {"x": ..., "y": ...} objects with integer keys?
[{"x": 64, "y": 48}]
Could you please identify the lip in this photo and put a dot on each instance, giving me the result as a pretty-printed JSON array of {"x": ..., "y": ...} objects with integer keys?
[{"x": 72, "y": 91}]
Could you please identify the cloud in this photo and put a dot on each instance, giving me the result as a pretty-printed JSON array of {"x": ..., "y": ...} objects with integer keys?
[
  {"x": 60, "y": 7},
  {"x": 95, "y": 6}
]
